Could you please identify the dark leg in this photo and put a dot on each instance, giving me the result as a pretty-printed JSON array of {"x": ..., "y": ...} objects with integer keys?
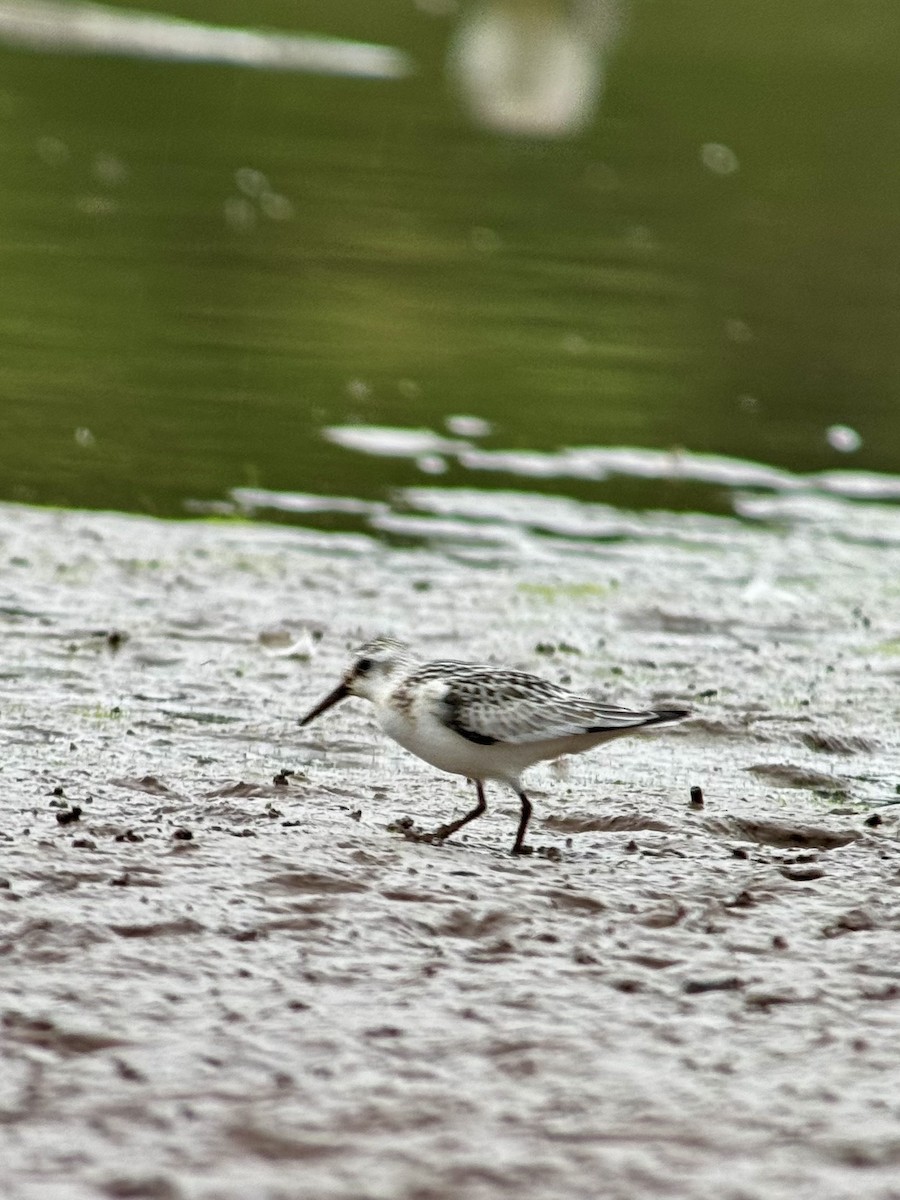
[
  {"x": 519, "y": 846},
  {"x": 446, "y": 830}
]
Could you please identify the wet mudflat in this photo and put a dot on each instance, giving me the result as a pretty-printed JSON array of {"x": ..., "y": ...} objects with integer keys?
[{"x": 225, "y": 976}]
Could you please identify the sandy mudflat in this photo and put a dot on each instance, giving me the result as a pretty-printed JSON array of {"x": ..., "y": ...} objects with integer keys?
[{"x": 221, "y": 982}]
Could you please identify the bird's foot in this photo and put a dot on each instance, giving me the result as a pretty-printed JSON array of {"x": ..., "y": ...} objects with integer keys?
[{"x": 523, "y": 849}]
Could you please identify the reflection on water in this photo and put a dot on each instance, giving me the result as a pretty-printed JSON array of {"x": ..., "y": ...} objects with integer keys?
[
  {"x": 533, "y": 67},
  {"x": 204, "y": 267},
  {"x": 100, "y": 29}
]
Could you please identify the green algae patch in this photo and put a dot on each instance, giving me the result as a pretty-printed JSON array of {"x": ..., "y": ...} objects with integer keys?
[{"x": 555, "y": 593}]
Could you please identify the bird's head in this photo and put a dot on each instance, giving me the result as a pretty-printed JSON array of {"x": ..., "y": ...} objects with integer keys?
[{"x": 372, "y": 671}]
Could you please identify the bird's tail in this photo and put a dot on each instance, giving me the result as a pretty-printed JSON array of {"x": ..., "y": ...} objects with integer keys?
[{"x": 664, "y": 716}]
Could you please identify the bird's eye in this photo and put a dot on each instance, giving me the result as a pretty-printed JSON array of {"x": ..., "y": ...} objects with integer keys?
[{"x": 363, "y": 666}]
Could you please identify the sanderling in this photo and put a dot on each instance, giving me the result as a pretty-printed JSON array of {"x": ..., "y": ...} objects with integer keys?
[{"x": 481, "y": 721}]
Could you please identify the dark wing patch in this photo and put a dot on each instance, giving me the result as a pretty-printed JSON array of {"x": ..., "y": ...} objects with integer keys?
[
  {"x": 456, "y": 721},
  {"x": 482, "y": 739}
]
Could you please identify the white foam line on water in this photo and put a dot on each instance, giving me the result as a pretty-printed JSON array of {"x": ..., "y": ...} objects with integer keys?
[
  {"x": 598, "y": 463},
  {"x": 858, "y": 485},
  {"x": 95, "y": 29},
  {"x": 418, "y": 526},
  {"x": 853, "y": 519},
  {"x": 850, "y": 502},
  {"x": 388, "y": 442},
  {"x": 576, "y": 523},
  {"x": 253, "y": 499}
]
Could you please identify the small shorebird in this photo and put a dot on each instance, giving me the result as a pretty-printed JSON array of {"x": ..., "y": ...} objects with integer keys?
[{"x": 481, "y": 721}]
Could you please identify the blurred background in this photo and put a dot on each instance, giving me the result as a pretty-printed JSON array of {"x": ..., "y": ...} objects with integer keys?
[{"x": 487, "y": 243}]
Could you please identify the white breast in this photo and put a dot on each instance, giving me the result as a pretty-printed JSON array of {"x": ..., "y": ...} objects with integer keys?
[{"x": 417, "y": 726}]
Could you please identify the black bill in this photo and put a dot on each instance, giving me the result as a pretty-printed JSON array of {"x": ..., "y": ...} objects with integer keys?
[{"x": 340, "y": 693}]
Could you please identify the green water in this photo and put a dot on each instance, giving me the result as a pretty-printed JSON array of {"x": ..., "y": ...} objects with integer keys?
[{"x": 164, "y": 339}]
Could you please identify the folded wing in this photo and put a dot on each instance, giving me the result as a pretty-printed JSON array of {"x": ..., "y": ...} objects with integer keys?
[{"x": 488, "y": 706}]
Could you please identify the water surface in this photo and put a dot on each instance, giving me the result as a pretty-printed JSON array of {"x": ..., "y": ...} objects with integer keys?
[{"x": 204, "y": 266}]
